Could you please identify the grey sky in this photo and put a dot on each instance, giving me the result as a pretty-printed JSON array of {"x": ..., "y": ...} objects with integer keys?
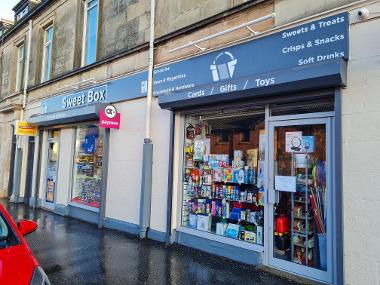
[{"x": 6, "y": 8}]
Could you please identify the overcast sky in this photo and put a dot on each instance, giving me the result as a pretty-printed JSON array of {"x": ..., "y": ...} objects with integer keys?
[{"x": 6, "y": 8}]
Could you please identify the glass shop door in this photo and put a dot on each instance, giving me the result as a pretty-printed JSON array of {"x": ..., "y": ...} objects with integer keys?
[
  {"x": 300, "y": 191},
  {"x": 51, "y": 169}
]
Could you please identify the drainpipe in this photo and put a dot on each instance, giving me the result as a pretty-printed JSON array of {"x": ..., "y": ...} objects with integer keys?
[
  {"x": 170, "y": 182},
  {"x": 146, "y": 180},
  {"x": 18, "y": 156}
]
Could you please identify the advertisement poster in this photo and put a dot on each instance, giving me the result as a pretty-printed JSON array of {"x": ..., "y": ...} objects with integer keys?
[
  {"x": 23, "y": 128},
  {"x": 293, "y": 141},
  {"x": 308, "y": 144}
]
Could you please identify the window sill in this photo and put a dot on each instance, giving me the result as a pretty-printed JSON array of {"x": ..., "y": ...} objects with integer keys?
[
  {"x": 221, "y": 239},
  {"x": 84, "y": 207}
]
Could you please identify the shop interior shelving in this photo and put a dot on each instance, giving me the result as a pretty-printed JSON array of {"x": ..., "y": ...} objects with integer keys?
[{"x": 302, "y": 200}]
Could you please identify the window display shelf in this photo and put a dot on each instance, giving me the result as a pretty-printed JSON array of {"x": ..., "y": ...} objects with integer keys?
[
  {"x": 236, "y": 183},
  {"x": 302, "y": 233},
  {"x": 221, "y": 239},
  {"x": 302, "y": 244},
  {"x": 228, "y": 200},
  {"x": 304, "y": 217},
  {"x": 88, "y": 177}
]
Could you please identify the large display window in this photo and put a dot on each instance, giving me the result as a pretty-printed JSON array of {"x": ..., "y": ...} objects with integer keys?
[
  {"x": 223, "y": 176},
  {"x": 86, "y": 189}
]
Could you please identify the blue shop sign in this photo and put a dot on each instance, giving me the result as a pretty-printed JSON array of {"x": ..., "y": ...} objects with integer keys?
[
  {"x": 312, "y": 50},
  {"x": 125, "y": 88},
  {"x": 260, "y": 63}
]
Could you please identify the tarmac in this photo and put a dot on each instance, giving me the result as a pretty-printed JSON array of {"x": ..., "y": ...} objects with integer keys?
[{"x": 75, "y": 252}]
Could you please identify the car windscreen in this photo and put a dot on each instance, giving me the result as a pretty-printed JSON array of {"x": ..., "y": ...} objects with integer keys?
[{"x": 7, "y": 235}]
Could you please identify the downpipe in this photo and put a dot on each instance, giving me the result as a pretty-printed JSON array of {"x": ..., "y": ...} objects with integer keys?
[
  {"x": 146, "y": 179},
  {"x": 15, "y": 197}
]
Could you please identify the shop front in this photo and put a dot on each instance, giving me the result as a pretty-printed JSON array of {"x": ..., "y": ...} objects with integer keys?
[
  {"x": 71, "y": 178},
  {"x": 258, "y": 138}
]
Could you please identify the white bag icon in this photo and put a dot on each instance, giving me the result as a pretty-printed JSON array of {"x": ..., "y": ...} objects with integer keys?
[{"x": 223, "y": 66}]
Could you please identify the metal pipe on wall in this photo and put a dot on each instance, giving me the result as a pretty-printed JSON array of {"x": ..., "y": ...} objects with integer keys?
[
  {"x": 170, "y": 181},
  {"x": 18, "y": 154},
  {"x": 146, "y": 180}
]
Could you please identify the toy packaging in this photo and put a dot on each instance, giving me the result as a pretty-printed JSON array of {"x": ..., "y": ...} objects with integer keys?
[
  {"x": 201, "y": 149},
  {"x": 252, "y": 156},
  {"x": 232, "y": 231},
  {"x": 228, "y": 175},
  {"x": 237, "y": 163},
  {"x": 249, "y": 236},
  {"x": 218, "y": 175}
]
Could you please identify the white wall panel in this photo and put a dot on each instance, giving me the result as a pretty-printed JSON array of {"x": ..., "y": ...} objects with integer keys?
[
  {"x": 361, "y": 152},
  {"x": 125, "y": 163},
  {"x": 65, "y": 167},
  {"x": 161, "y": 140}
]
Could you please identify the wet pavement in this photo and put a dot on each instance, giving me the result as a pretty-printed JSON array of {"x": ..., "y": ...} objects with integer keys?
[{"x": 75, "y": 252}]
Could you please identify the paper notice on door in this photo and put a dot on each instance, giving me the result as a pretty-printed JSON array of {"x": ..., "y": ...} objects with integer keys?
[
  {"x": 293, "y": 141},
  {"x": 285, "y": 183}
]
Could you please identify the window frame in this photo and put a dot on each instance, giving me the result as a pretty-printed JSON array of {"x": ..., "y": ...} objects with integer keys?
[
  {"x": 20, "y": 61},
  {"x": 45, "y": 44},
  {"x": 85, "y": 31}
]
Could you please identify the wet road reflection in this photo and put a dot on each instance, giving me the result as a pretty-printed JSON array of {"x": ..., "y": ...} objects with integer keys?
[{"x": 75, "y": 252}]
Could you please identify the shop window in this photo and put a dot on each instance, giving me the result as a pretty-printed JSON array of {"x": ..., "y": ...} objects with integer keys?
[
  {"x": 19, "y": 66},
  {"x": 223, "y": 182},
  {"x": 47, "y": 54},
  {"x": 88, "y": 166},
  {"x": 90, "y": 32}
]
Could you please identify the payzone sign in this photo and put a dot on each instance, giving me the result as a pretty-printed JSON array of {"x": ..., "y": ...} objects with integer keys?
[{"x": 109, "y": 118}]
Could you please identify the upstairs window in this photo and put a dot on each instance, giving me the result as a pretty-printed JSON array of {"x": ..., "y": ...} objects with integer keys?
[
  {"x": 90, "y": 32},
  {"x": 22, "y": 13},
  {"x": 20, "y": 66},
  {"x": 47, "y": 54}
]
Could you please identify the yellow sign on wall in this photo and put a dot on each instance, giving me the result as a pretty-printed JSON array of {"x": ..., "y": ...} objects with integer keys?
[{"x": 24, "y": 129}]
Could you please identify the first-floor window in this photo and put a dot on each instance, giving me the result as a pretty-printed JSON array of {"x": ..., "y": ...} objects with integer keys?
[
  {"x": 90, "y": 32},
  {"x": 47, "y": 54},
  {"x": 88, "y": 166},
  {"x": 20, "y": 66}
]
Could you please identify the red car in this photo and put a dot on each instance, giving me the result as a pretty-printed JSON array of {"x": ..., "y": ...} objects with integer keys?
[{"x": 17, "y": 263}]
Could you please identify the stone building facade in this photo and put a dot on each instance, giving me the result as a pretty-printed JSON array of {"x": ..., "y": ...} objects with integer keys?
[{"x": 122, "y": 43}]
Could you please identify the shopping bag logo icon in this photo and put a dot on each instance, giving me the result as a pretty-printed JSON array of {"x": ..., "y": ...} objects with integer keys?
[{"x": 223, "y": 66}]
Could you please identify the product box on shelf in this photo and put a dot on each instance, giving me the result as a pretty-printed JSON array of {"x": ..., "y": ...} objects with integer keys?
[
  {"x": 218, "y": 175},
  {"x": 235, "y": 214},
  {"x": 259, "y": 235},
  {"x": 237, "y": 163},
  {"x": 249, "y": 236},
  {"x": 232, "y": 231},
  {"x": 192, "y": 221},
  {"x": 228, "y": 175},
  {"x": 221, "y": 228},
  {"x": 204, "y": 222},
  {"x": 218, "y": 161}
]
